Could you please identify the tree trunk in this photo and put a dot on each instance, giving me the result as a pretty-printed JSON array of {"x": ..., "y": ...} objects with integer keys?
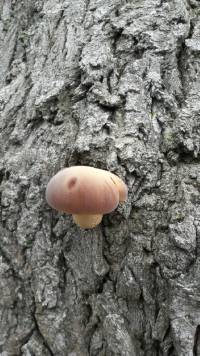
[{"x": 113, "y": 84}]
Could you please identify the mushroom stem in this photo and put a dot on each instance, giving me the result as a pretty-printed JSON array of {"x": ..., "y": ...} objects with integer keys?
[{"x": 87, "y": 221}]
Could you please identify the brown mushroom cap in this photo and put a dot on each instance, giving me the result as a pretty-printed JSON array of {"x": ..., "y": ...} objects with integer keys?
[
  {"x": 85, "y": 190},
  {"x": 121, "y": 186}
]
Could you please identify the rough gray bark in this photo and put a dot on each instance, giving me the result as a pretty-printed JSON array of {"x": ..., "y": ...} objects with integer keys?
[{"x": 113, "y": 84}]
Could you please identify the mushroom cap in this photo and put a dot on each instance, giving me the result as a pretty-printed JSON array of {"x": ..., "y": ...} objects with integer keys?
[
  {"x": 85, "y": 190},
  {"x": 121, "y": 186}
]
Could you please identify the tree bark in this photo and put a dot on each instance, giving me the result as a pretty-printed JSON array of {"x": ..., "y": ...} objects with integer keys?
[{"x": 113, "y": 84}]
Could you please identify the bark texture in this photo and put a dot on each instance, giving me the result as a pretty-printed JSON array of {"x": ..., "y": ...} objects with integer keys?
[{"x": 113, "y": 84}]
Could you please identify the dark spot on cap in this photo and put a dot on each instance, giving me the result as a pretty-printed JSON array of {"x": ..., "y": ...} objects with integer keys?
[
  {"x": 72, "y": 182},
  {"x": 113, "y": 180}
]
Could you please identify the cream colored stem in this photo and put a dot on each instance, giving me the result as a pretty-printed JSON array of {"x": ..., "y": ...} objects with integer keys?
[{"x": 87, "y": 221}]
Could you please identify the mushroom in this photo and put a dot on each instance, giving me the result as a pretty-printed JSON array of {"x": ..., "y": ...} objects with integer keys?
[{"x": 85, "y": 192}]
